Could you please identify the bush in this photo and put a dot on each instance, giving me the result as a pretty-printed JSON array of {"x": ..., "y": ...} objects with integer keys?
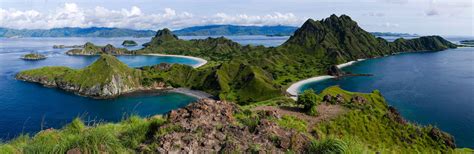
[
  {"x": 310, "y": 100},
  {"x": 329, "y": 146}
]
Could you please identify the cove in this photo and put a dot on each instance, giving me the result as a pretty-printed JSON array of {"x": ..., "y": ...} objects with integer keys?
[
  {"x": 429, "y": 88},
  {"x": 29, "y": 107}
]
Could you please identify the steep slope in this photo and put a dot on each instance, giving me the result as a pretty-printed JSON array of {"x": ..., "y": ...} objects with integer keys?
[
  {"x": 340, "y": 39},
  {"x": 91, "y": 49},
  {"x": 106, "y": 77}
]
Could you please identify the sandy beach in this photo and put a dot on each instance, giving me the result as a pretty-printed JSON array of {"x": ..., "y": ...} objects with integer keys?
[
  {"x": 200, "y": 60},
  {"x": 294, "y": 88},
  {"x": 194, "y": 93}
]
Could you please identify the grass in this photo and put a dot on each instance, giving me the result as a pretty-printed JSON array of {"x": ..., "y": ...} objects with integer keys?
[{"x": 123, "y": 137}]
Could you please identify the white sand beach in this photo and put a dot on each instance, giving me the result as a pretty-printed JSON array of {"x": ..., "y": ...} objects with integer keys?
[
  {"x": 200, "y": 60},
  {"x": 294, "y": 88}
]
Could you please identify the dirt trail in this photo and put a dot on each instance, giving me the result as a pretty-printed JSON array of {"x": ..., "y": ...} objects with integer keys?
[{"x": 326, "y": 112}]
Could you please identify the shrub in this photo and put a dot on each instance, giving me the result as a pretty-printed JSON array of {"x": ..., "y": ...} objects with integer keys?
[
  {"x": 329, "y": 146},
  {"x": 310, "y": 100}
]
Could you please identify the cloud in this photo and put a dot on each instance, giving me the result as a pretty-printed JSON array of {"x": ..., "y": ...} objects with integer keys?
[
  {"x": 71, "y": 15},
  {"x": 432, "y": 12}
]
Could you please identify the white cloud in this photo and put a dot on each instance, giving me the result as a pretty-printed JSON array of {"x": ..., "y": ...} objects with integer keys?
[{"x": 71, "y": 15}]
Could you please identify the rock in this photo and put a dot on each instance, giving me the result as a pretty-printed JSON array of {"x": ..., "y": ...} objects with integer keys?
[
  {"x": 74, "y": 151},
  {"x": 394, "y": 115},
  {"x": 438, "y": 135},
  {"x": 358, "y": 100},
  {"x": 335, "y": 71},
  {"x": 209, "y": 126},
  {"x": 339, "y": 99}
]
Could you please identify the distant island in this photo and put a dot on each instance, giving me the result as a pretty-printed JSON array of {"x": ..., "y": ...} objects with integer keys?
[
  {"x": 129, "y": 43},
  {"x": 207, "y": 30},
  {"x": 467, "y": 43},
  {"x": 33, "y": 56},
  {"x": 75, "y": 32},
  {"x": 91, "y": 49},
  {"x": 220, "y": 30}
]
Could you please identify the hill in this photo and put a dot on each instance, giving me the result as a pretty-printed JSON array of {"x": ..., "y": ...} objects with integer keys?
[
  {"x": 220, "y": 30},
  {"x": 75, "y": 32},
  {"x": 105, "y": 78}
]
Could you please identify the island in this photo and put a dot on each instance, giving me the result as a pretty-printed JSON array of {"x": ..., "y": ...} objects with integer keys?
[
  {"x": 129, "y": 43},
  {"x": 67, "y": 46},
  {"x": 33, "y": 56},
  {"x": 91, "y": 49},
  {"x": 251, "y": 111}
]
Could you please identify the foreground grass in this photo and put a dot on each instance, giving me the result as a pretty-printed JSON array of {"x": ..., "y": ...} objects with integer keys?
[{"x": 121, "y": 137}]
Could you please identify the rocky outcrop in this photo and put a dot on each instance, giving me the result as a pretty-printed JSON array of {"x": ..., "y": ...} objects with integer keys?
[
  {"x": 335, "y": 71},
  {"x": 91, "y": 49},
  {"x": 209, "y": 126}
]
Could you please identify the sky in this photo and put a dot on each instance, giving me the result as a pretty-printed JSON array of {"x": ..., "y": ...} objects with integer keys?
[{"x": 424, "y": 17}]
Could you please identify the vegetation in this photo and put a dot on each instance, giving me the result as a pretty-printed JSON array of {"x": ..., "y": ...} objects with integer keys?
[
  {"x": 255, "y": 73},
  {"x": 220, "y": 30},
  {"x": 91, "y": 49},
  {"x": 129, "y": 43},
  {"x": 310, "y": 100},
  {"x": 33, "y": 56}
]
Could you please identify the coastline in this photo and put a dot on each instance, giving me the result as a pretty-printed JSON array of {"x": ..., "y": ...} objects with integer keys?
[
  {"x": 294, "y": 88},
  {"x": 194, "y": 93},
  {"x": 200, "y": 60}
]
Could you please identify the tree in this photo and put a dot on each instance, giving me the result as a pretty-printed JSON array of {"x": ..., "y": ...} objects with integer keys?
[{"x": 310, "y": 100}]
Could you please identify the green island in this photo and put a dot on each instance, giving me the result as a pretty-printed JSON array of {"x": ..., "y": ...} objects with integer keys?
[
  {"x": 252, "y": 112},
  {"x": 91, "y": 49},
  {"x": 129, "y": 43},
  {"x": 33, "y": 56}
]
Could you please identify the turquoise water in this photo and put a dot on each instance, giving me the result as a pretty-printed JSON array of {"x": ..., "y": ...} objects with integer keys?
[
  {"x": 28, "y": 107},
  {"x": 434, "y": 88}
]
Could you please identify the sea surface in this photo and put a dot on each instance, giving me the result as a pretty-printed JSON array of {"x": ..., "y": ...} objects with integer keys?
[{"x": 428, "y": 88}]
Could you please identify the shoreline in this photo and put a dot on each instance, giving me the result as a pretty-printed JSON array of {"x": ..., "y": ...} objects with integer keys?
[
  {"x": 194, "y": 93},
  {"x": 295, "y": 87},
  {"x": 200, "y": 60}
]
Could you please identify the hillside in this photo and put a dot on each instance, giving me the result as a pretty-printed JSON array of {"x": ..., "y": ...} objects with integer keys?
[
  {"x": 105, "y": 78},
  {"x": 314, "y": 48},
  {"x": 91, "y": 49},
  {"x": 220, "y": 30}
]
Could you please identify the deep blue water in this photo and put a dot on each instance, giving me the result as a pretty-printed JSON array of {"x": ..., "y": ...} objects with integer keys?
[
  {"x": 434, "y": 88},
  {"x": 27, "y": 107}
]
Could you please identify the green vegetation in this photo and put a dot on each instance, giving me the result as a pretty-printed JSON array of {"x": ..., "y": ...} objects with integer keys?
[
  {"x": 33, "y": 56},
  {"x": 121, "y": 137},
  {"x": 254, "y": 73},
  {"x": 106, "y": 77},
  {"x": 310, "y": 100},
  {"x": 91, "y": 49},
  {"x": 220, "y": 30},
  {"x": 129, "y": 43}
]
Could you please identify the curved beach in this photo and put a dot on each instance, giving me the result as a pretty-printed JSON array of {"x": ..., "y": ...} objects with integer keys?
[
  {"x": 294, "y": 88},
  {"x": 200, "y": 60}
]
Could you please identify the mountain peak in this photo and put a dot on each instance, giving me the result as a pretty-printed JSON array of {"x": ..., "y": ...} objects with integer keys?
[
  {"x": 108, "y": 63},
  {"x": 162, "y": 36}
]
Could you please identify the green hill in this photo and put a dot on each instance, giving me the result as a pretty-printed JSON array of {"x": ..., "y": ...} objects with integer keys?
[{"x": 106, "y": 77}]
